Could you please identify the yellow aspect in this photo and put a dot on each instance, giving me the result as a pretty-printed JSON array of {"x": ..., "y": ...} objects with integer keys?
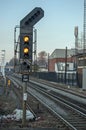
[
  {"x": 9, "y": 82},
  {"x": 26, "y": 39},
  {"x": 26, "y": 50}
]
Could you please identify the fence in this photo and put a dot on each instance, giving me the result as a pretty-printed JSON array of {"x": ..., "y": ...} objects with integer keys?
[{"x": 71, "y": 77}]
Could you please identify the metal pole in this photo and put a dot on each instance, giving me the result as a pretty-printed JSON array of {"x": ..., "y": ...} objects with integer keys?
[
  {"x": 35, "y": 48},
  {"x": 15, "y": 49},
  {"x": 24, "y": 104}
]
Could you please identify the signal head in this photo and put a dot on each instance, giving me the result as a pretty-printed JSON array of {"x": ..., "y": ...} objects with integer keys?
[{"x": 26, "y": 46}]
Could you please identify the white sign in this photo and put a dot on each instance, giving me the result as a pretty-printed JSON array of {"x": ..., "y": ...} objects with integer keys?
[
  {"x": 25, "y": 96},
  {"x": 25, "y": 77}
]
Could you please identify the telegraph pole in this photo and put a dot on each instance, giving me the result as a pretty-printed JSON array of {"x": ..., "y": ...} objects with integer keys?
[{"x": 65, "y": 64}]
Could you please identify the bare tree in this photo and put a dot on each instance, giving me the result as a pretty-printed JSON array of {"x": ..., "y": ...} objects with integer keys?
[{"x": 42, "y": 59}]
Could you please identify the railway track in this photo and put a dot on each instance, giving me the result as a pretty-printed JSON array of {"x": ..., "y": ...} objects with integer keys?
[
  {"x": 70, "y": 116},
  {"x": 61, "y": 87},
  {"x": 62, "y": 96},
  {"x": 68, "y": 113}
]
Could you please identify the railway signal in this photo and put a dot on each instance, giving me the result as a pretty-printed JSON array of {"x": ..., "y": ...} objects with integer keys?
[
  {"x": 26, "y": 32},
  {"x": 26, "y": 46}
]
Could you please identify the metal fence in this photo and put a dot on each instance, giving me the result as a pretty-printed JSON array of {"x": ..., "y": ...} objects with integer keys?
[{"x": 70, "y": 79}]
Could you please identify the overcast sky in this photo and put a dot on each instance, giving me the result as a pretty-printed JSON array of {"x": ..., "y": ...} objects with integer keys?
[{"x": 54, "y": 30}]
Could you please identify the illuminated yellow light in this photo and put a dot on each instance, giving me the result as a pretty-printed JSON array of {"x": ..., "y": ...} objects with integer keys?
[
  {"x": 26, "y": 39},
  {"x": 26, "y": 50},
  {"x": 9, "y": 82}
]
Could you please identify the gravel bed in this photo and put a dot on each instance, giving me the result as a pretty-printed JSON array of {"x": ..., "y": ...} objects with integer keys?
[{"x": 45, "y": 119}]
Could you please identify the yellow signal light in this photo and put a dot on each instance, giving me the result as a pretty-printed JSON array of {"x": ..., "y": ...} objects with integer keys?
[
  {"x": 26, "y": 50},
  {"x": 26, "y": 39},
  {"x": 9, "y": 82}
]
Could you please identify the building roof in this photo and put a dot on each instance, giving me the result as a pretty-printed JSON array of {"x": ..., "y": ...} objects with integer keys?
[{"x": 60, "y": 53}]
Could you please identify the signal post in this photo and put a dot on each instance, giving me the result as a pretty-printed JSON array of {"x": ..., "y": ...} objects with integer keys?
[
  {"x": 25, "y": 68},
  {"x": 26, "y": 50}
]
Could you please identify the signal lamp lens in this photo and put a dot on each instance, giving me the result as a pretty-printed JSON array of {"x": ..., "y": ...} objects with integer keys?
[
  {"x": 26, "y": 50},
  {"x": 26, "y": 39}
]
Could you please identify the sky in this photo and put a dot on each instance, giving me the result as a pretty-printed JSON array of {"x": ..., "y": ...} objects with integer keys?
[{"x": 55, "y": 30}]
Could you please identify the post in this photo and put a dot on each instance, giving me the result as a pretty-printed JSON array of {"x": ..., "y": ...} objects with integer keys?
[
  {"x": 35, "y": 49},
  {"x": 48, "y": 62},
  {"x": 24, "y": 103},
  {"x": 65, "y": 63}
]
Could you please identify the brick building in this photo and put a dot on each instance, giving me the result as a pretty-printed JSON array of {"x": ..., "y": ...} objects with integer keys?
[
  {"x": 58, "y": 55},
  {"x": 81, "y": 65}
]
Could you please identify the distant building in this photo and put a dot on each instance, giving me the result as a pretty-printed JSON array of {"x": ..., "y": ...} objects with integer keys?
[
  {"x": 81, "y": 65},
  {"x": 57, "y": 58}
]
